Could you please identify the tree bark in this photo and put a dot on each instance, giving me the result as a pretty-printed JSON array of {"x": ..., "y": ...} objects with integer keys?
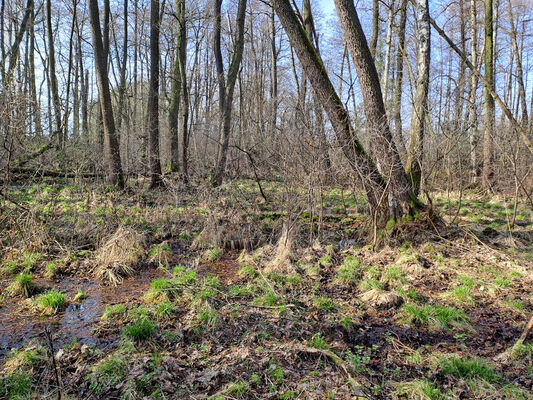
[
  {"x": 112, "y": 154},
  {"x": 52, "y": 72},
  {"x": 371, "y": 179},
  {"x": 375, "y": 28},
  {"x": 402, "y": 199},
  {"x": 472, "y": 98},
  {"x": 488, "y": 117},
  {"x": 227, "y": 86},
  {"x": 153, "y": 98},
  {"x": 413, "y": 166},
  {"x": 397, "y": 113}
]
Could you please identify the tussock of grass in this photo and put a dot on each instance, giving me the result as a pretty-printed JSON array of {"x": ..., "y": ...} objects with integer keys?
[
  {"x": 140, "y": 330},
  {"x": 437, "y": 316},
  {"x": 461, "y": 367},
  {"x": 113, "y": 311},
  {"x": 160, "y": 255},
  {"x": 119, "y": 255},
  {"x": 382, "y": 298},
  {"x": 24, "y": 358},
  {"x": 51, "y": 302},
  {"x": 418, "y": 389},
  {"x": 23, "y": 285},
  {"x": 350, "y": 272}
]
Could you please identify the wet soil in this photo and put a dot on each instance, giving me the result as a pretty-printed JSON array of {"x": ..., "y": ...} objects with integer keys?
[{"x": 77, "y": 321}]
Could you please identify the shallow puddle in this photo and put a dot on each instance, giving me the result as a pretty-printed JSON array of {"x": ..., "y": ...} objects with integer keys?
[{"x": 77, "y": 321}]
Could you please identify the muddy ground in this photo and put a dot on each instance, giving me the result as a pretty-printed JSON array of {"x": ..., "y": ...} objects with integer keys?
[{"x": 206, "y": 295}]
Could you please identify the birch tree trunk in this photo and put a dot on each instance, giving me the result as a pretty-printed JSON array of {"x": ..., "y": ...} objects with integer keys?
[{"x": 413, "y": 166}]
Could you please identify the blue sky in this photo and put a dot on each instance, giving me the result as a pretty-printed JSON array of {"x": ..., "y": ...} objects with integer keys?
[{"x": 327, "y": 6}]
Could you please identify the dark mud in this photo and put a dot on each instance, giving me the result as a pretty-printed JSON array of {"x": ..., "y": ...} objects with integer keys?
[{"x": 77, "y": 321}]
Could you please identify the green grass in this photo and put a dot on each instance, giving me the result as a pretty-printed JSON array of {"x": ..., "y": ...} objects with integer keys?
[
  {"x": 419, "y": 389},
  {"x": 237, "y": 390},
  {"x": 113, "y": 311},
  {"x": 324, "y": 303},
  {"x": 52, "y": 300},
  {"x": 436, "y": 316},
  {"x": 462, "y": 294},
  {"x": 24, "y": 284},
  {"x": 350, "y": 271},
  {"x": 462, "y": 367},
  {"x": 16, "y": 386},
  {"x": 51, "y": 270},
  {"x": 317, "y": 341},
  {"x": 10, "y": 267},
  {"x": 108, "y": 372},
  {"x": 394, "y": 276},
  {"x": 164, "y": 310},
  {"x": 207, "y": 316},
  {"x": 184, "y": 276},
  {"x": 140, "y": 330}
]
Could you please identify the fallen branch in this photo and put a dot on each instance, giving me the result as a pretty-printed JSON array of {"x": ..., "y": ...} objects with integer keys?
[
  {"x": 53, "y": 173},
  {"x": 24, "y": 160},
  {"x": 361, "y": 390}
]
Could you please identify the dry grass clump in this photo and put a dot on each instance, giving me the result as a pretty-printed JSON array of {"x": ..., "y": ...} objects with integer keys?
[
  {"x": 281, "y": 262},
  {"x": 382, "y": 299},
  {"x": 119, "y": 255}
]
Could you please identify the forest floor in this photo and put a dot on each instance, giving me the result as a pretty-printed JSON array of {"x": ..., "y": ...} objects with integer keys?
[{"x": 218, "y": 294}]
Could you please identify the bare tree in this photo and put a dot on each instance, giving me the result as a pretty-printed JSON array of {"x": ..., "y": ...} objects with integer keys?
[
  {"x": 112, "y": 155},
  {"x": 413, "y": 166},
  {"x": 153, "y": 98},
  {"x": 226, "y": 86}
]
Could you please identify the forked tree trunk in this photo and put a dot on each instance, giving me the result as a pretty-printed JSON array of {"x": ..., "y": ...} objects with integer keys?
[
  {"x": 226, "y": 87},
  {"x": 401, "y": 196},
  {"x": 112, "y": 154},
  {"x": 373, "y": 181}
]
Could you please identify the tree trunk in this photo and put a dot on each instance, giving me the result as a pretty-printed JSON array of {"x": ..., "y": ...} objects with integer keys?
[
  {"x": 184, "y": 118},
  {"x": 472, "y": 98},
  {"x": 173, "y": 110},
  {"x": 371, "y": 179},
  {"x": 309, "y": 25},
  {"x": 397, "y": 113},
  {"x": 375, "y": 28},
  {"x": 52, "y": 72},
  {"x": 112, "y": 154},
  {"x": 413, "y": 167},
  {"x": 227, "y": 86},
  {"x": 123, "y": 65},
  {"x": 153, "y": 98},
  {"x": 488, "y": 118},
  {"x": 402, "y": 199}
]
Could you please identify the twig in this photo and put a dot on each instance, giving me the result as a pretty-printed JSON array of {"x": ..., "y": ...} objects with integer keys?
[
  {"x": 54, "y": 364},
  {"x": 356, "y": 386}
]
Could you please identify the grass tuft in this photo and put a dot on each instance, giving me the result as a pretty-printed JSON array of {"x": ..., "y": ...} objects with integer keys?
[
  {"x": 437, "y": 316},
  {"x": 467, "y": 368},
  {"x": 52, "y": 301}
]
